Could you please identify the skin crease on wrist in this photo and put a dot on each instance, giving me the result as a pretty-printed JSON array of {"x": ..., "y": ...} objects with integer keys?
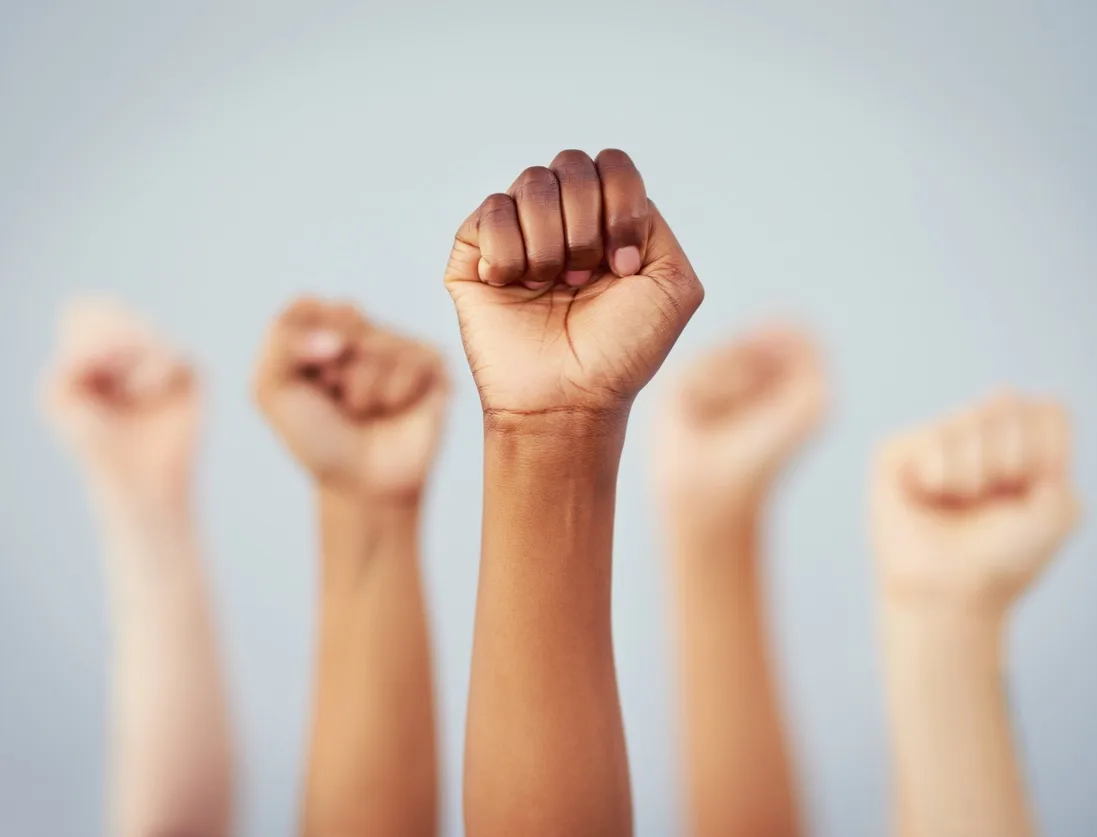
[
  {"x": 729, "y": 427},
  {"x": 966, "y": 513},
  {"x": 127, "y": 406},
  {"x": 361, "y": 408},
  {"x": 570, "y": 290}
]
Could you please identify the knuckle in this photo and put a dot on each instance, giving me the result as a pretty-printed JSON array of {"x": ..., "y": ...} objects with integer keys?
[
  {"x": 537, "y": 184},
  {"x": 613, "y": 160},
  {"x": 300, "y": 309},
  {"x": 575, "y": 168},
  {"x": 498, "y": 210}
]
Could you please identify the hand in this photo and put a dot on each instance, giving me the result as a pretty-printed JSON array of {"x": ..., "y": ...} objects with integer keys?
[
  {"x": 124, "y": 401},
  {"x": 735, "y": 419},
  {"x": 570, "y": 289},
  {"x": 970, "y": 510},
  {"x": 360, "y": 407}
]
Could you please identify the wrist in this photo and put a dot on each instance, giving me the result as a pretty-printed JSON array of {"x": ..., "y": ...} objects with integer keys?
[
  {"x": 700, "y": 510},
  {"x": 943, "y": 631},
  {"x": 350, "y": 509},
  {"x": 166, "y": 508},
  {"x": 561, "y": 425},
  {"x": 356, "y": 532},
  {"x": 943, "y": 599},
  {"x": 554, "y": 451}
]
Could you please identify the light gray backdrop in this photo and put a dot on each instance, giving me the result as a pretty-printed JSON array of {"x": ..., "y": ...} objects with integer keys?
[{"x": 915, "y": 182}]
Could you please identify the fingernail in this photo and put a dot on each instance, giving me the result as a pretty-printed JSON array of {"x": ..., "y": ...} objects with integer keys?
[
  {"x": 575, "y": 278},
  {"x": 535, "y": 286},
  {"x": 626, "y": 261},
  {"x": 322, "y": 344}
]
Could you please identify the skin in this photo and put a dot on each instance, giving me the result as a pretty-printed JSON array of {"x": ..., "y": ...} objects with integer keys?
[
  {"x": 361, "y": 409},
  {"x": 726, "y": 432},
  {"x": 570, "y": 290},
  {"x": 967, "y": 512},
  {"x": 127, "y": 406}
]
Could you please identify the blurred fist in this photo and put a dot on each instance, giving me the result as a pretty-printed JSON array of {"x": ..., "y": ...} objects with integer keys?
[
  {"x": 124, "y": 400},
  {"x": 974, "y": 507},
  {"x": 570, "y": 288},
  {"x": 736, "y": 418},
  {"x": 360, "y": 407}
]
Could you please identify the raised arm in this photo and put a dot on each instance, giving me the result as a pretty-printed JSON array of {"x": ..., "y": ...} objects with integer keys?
[
  {"x": 727, "y": 431},
  {"x": 570, "y": 290},
  {"x": 967, "y": 512},
  {"x": 128, "y": 406},
  {"x": 361, "y": 409}
]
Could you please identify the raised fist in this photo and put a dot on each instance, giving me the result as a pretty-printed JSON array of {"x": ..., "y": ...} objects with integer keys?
[
  {"x": 123, "y": 399},
  {"x": 735, "y": 419},
  {"x": 570, "y": 288},
  {"x": 360, "y": 407},
  {"x": 972, "y": 508}
]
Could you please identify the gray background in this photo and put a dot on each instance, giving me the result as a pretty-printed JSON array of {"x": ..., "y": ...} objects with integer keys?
[{"x": 917, "y": 183}]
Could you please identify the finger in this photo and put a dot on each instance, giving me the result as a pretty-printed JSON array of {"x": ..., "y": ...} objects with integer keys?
[
  {"x": 302, "y": 341},
  {"x": 362, "y": 380},
  {"x": 965, "y": 480},
  {"x": 328, "y": 375},
  {"x": 409, "y": 380},
  {"x": 502, "y": 250},
  {"x": 347, "y": 319},
  {"x": 155, "y": 375},
  {"x": 327, "y": 345},
  {"x": 1008, "y": 452},
  {"x": 536, "y": 195},
  {"x": 379, "y": 353},
  {"x": 1051, "y": 440},
  {"x": 464, "y": 257},
  {"x": 90, "y": 327},
  {"x": 100, "y": 377},
  {"x": 625, "y": 212},
  {"x": 291, "y": 352},
  {"x": 926, "y": 468},
  {"x": 305, "y": 311},
  {"x": 581, "y": 207}
]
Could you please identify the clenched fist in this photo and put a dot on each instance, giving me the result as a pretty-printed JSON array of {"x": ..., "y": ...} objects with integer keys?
[
  {"x": 736, "y": 418},
  {"x": 360, "y": 407},
  {"x": 124, "y": 400},
  {"x": 570, "y": 288},
  {"x": 972, "y": 508}
]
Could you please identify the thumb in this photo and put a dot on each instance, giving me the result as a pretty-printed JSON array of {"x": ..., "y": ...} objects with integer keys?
[
  {"x": 464, "y": 257},
  {"x": 289, "y": 349}
]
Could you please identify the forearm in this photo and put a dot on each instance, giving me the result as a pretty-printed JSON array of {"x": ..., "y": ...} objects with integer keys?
[
  {"x": 737, "y": 773},
  {"x": 171, "y": 752},
  {"x": 372, "y": 768},
  {"x": 955, "y": 765},
  {"x": 545, "y": 752}
]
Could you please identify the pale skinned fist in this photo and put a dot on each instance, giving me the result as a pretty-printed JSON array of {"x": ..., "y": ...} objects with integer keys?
[
  {"x": 734, "y": 420},
  {"x": 969, "y": 510},
  {"x": 124, "y": 400},
  {"x": 570, "y": 288},
  {"x": 360, "y": 407}
]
